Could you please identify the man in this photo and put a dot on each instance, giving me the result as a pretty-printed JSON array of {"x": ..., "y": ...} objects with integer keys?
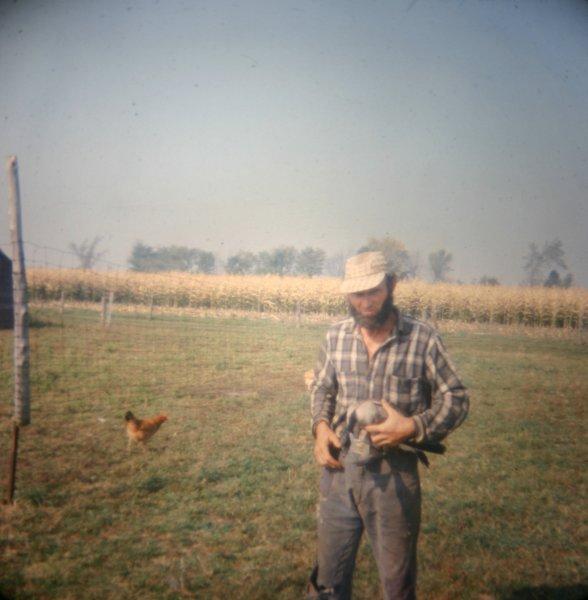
[{"x": 400, "y": 364}]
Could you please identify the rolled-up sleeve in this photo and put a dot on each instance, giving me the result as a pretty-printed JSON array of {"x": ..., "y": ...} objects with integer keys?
[
  {"x": 449, "y": 399},
  {"x": 323, "y": 389}
]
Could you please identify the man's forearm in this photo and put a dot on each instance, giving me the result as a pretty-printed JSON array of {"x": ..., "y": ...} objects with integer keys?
[
  {"x": 447, "y": 413},
  {"x": 323, "y": 390},
  {"x": 450, "y": 402},
  {"x": 322, "y": 404},
  {"x": 317, "y": 425}
]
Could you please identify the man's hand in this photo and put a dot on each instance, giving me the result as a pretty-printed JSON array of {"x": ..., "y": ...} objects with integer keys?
[
  {"x": 393, "y": 431},
  {"x": 325, "y": 436}
]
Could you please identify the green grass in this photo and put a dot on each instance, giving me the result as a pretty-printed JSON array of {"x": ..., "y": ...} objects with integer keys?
[{"x": 223, "y": 503}]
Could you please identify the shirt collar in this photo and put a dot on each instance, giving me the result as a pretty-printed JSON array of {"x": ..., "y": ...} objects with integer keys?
[{"x": 401, "y": 322}]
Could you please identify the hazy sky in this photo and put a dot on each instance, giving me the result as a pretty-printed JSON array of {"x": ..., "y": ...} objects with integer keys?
[{"x": 247, "y": 125}]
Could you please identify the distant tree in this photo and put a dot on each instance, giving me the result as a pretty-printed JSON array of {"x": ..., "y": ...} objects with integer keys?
[
  {"x": 550, "y": 257},
  {"x": 178, "y": 258},
  {"x": 242, "y": 263},
  {"x": 284, "y": 259},
  {"x": 310, "y": 261},
  {"x": 263, "y": 263},
  {"x": 554, "y": 279},
  {"x": 87, "y": 252},
  {"x": 143, "y": 258},
  {"x": 440, "y": 263},
  {"x": 171, "y": 258},
  {"x": 553, "y": 254},
  {"x": 534, "y": 265},
  {"x": 206, "y": 262},
  {"x": 279, "y": 261},
  {"x": 335, "y": 265},
  {"x": 485, "y": 280},
  {"x": 397, "y": 256},
  {"x": 413, "y": 265}
]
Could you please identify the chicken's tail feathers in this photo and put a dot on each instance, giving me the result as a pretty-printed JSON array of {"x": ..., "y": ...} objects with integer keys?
[{"x": 129, "y": 416}]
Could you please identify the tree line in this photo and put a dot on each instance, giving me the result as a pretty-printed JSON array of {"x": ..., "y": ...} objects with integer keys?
[
  {"x": 543, "y": 267},
  {"x": 171, "y": 258},
  {"x": 285, "y": 260}
]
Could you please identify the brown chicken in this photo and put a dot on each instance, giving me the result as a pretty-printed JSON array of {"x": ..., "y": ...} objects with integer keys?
[{"x": 140, "y": 430}]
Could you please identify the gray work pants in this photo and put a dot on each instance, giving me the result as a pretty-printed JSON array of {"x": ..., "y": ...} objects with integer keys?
[{"x": 383, "y": 498}]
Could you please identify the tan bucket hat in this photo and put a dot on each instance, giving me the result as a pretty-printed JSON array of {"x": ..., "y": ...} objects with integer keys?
[{"x": 363, "y": 272}]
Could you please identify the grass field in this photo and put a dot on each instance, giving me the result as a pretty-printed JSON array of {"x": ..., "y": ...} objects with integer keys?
[{"x": 223, "y": 503}]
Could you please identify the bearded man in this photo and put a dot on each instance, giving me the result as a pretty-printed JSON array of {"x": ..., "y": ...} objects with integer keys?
[{"x": 377, "y": 357}]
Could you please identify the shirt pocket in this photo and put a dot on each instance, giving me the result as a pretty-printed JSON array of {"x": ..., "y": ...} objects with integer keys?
[{"x": 405, "y": 394}]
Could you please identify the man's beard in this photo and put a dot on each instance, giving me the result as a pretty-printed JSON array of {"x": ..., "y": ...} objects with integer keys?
[{"x": 377, "y": 320}]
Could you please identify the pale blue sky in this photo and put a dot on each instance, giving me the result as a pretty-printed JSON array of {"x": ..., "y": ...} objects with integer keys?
[{"x": 247, "y": 125}]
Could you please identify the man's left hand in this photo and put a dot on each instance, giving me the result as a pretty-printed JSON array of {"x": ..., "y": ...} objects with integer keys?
[{"x": 393, "y": 431}]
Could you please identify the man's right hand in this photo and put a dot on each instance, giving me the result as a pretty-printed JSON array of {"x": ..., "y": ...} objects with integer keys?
[{"x": 326, "y": 437}]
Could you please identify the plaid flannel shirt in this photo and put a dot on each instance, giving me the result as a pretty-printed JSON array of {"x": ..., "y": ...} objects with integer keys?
[{"x": 411, "y": 370}]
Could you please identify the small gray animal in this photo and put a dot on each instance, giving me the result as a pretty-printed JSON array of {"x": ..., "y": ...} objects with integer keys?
[{"x": 371, "y": 412}]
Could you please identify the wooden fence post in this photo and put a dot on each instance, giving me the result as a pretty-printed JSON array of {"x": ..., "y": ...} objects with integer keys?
[
  {"x": 103, "y": 310},
  {"x": 22, "y": 411},
  {"x": 109, "y": 309},
  {"x": 62, "y": 306}
]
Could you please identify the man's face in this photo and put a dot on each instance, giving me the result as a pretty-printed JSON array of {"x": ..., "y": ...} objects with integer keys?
[{"x": 371, "y": 308}]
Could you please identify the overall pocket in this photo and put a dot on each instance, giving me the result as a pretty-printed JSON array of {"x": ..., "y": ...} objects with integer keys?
[{"x": 326, "y": 481}]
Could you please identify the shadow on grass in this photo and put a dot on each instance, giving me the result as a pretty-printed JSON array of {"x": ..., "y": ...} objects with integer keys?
[
  {"x": 38, "y": 323},
  {"x": 546, "y": 592},
  {"x": 152, "y": 484},
  {"x": 7, "y": 594}
]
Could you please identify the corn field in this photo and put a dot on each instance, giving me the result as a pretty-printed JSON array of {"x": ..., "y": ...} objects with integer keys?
[{"x": 551, "y": 307}]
